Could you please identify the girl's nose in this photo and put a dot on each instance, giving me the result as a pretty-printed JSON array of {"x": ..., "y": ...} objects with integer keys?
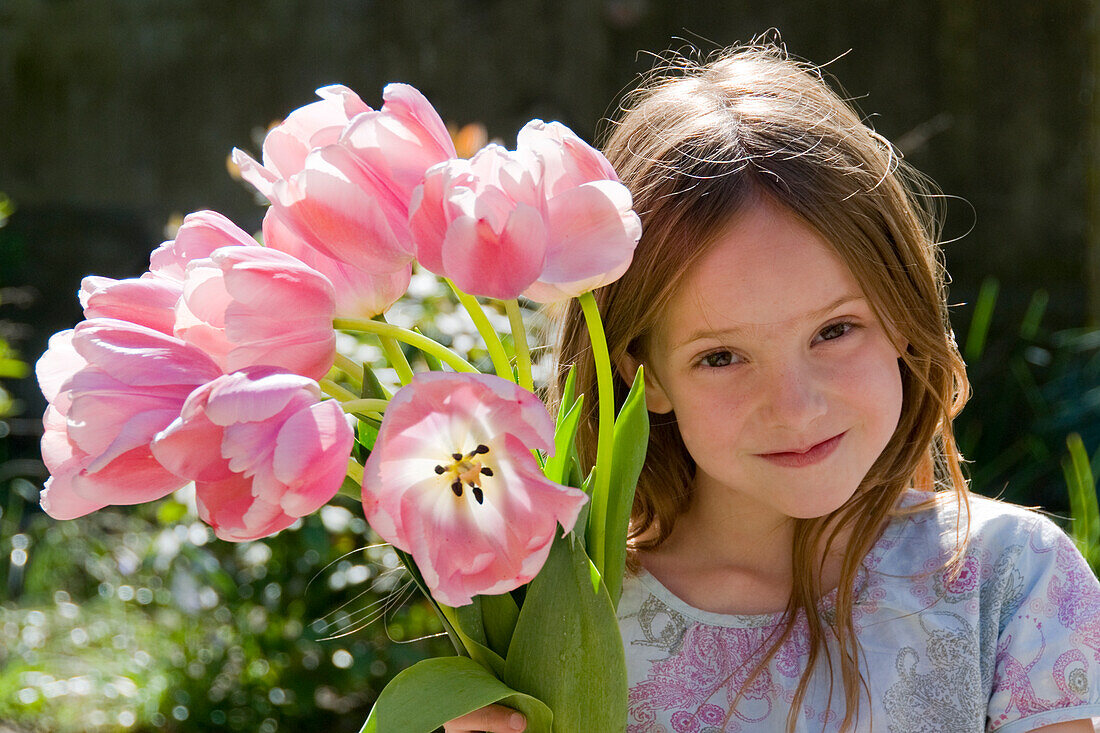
[{"x": 796, "y": 398}]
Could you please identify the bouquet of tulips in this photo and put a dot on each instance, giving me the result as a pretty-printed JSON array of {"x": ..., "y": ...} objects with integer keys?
[{"x": 219, "y": 367}]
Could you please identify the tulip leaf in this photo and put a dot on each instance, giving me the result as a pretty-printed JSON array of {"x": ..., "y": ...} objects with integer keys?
[
  {"x": 564, "y": 436},
  {"x": 499, "y": 614},
  {"x": 567, "y": 392},
  {"x": 372, "y": 388},
  {"x": 468, "y": 624},
  {"x": 470, "y": 619},
  {"x": 365, "y": 435},
  {"x": 630, "y": 443},
  {"x": 566, "y": 649},
  {"x": 428, "y": 694},
  {"x": 433, "y": 362}
]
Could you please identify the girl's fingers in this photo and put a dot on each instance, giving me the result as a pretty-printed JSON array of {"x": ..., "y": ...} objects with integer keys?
[{"x": 490, "y": 719}]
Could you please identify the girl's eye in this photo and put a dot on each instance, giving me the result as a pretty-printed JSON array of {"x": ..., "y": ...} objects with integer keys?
[
  {"x": 717, "y": 359},
  {"x": 835, "y": 330}
]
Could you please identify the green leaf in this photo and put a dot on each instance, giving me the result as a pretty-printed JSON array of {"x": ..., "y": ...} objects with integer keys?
[
  {"x": 981, "y": 320},
  {"x": 499, "y": 615},
  {"x": 423, "y": 697},
  {"x": 469, "y": 623},
  {"x": 1082, "y": 498},
  {"x": 568, "y": 392},
  {"x": 564, "y": 438},
  {"x": 434, "y": 364},
  {"x": 567, "y": 650},
  {"x": 372, "y": 388},
  {"x": 630, "y": 444}
]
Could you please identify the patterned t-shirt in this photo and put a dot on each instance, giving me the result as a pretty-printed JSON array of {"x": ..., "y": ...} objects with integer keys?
[{"x": 1010, "y": 644}]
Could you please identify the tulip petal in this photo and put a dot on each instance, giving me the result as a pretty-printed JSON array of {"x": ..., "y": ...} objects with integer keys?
[
  {"x": 311, "y": 456},
  {"x": 58, "y": 364},
  {"x": 498, "y": 266}
]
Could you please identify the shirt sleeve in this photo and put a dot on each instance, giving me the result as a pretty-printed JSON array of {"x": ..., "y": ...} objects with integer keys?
[{"x": 1047, "y": 667}]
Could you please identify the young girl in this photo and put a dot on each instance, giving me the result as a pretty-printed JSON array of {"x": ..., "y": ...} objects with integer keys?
[{"x": 805, "y": 553}]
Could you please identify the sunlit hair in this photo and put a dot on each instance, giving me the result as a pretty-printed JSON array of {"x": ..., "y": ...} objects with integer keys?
[{"x": 698, "y": 144}]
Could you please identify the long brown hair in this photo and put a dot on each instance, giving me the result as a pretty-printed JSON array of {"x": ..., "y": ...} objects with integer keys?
[{"x": 698, "y": 144}]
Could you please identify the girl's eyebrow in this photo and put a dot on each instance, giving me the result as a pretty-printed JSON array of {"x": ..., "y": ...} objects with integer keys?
[{"x": 705, "y": 333}]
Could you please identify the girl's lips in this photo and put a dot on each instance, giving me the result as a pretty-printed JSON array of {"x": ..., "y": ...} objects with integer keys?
[{"x": 814, "y": 454}]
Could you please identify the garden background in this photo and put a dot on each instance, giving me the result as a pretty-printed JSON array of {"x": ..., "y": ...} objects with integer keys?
[{"x": 117, "y": 117}]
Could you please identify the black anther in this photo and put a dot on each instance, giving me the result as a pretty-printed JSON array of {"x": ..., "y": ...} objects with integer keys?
[
  {"x": 457, "y": 488},
  {"x": 487, "y": 471},
  {"x": 478, "y": 494},
  {"x": 440, "y": 470},
  {"x": 457, "y": 456},
  {"x": 481, "y": 449}
]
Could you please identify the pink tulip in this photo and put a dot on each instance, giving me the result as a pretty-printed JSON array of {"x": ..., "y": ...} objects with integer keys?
[
  {"x": 350, "y": 200},
  {"x": 150, "y": 300},
  {"x": 567, "y": 161},
  {"x": 550, "y": 220},
  {"x": 262, "y": 448},
  {"x": 593, "y": 229},
  {"x": 201, "y": 233},
  {"x": 482, "y": 223},
  {"x": 249, "y": 306},
  {"x": 452, "y": 481},
  {"x": 359, "y": 294},
  {"x": 112, "y": 385},
  {"x": 313, "y": 126}
]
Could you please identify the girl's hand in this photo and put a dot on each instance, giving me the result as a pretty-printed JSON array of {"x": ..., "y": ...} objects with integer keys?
[{"x": 490, "y": 719}]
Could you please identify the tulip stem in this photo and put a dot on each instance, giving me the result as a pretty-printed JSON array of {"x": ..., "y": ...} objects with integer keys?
[
  {"x": 488, "y": 334},
  {"x": 598, "y": 519},
  {"x": 413, "y": 338},
  {"x": 394, "y": 355},
  {"x": 519, "y": 338},
  {"x": 352, "y": 369},
  {"x": 334, "y": 390},
  {"x": 364, "y": 405}
]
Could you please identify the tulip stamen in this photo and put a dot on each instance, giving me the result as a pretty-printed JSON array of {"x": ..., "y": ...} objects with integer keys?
[{"x": 467, "y": 469}]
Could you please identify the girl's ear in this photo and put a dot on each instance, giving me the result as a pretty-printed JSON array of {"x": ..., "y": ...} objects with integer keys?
[{"x": 656, "y": 400}]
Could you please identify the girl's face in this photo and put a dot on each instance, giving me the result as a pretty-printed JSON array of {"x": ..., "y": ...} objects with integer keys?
[{"x": 784, "y": 385}]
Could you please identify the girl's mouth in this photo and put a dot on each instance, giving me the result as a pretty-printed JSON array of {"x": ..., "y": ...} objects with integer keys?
[{"x": 813, "y": 454}]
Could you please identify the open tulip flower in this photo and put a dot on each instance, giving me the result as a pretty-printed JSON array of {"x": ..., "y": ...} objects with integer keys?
[
  {"x": 218, "y": 366},
  {"x": 452, "y": 481}
]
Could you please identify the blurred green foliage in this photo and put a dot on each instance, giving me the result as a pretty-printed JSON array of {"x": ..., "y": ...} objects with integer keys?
[{"x": 1032, "y": 388}]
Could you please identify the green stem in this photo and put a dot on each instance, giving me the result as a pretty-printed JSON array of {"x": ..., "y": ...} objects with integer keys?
[
  {"x": 352, "y": 369},
  {"x": 394, "y": 355},
  {"x": 472, "y": 648},
  {"x": 364, "y": 405},
  {"x": 334, "y": 390},
  {"x": 488, "y": 334},
  {"x": 413, "y": 338},
  {"x": 602, "y": 483},
  {"x": 519, "y": 338}
]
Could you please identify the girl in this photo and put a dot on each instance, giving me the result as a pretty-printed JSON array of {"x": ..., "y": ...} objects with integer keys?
[{"x": 805, "y": 553}]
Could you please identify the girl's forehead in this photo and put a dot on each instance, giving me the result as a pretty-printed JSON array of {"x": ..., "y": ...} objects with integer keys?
[{"x": 768, "y": 268}]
